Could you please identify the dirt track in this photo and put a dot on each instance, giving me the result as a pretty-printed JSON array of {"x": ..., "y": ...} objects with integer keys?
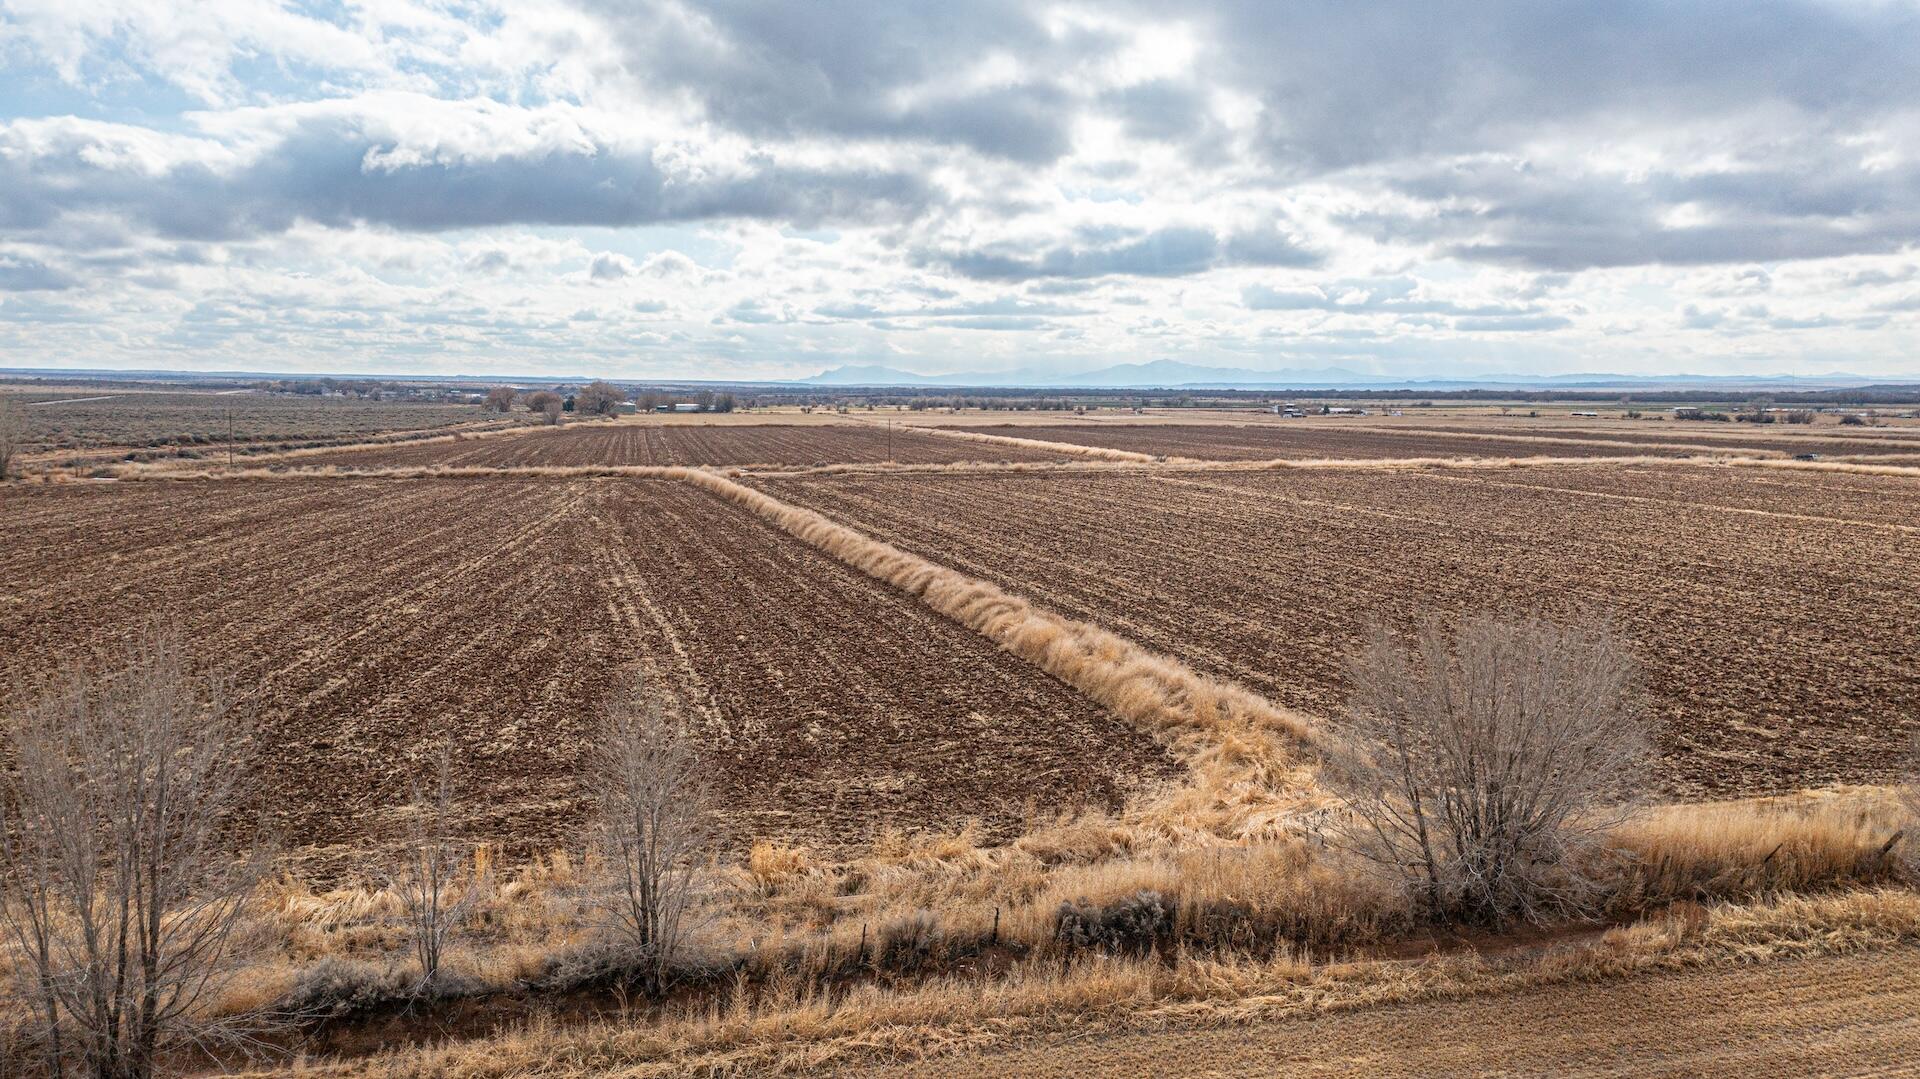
[
  {"x": 1847, "y": 1015},
  {"x": 367, "y": 621},
  {"x": 1774, "y": 612}
]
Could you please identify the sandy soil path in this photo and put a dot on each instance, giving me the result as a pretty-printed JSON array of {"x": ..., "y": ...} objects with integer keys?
[{"x": 1846, "y": 1015}]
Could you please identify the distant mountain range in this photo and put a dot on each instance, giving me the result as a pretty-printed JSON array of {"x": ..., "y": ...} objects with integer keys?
[
  {"x": 1173, "y": 375},
  {"x": 1157, "y": 375}
]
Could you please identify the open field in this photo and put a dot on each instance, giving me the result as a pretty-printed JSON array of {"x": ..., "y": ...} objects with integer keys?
[
  {"x": 105, "y": 418},
  {"x": 1831, "y": 1015},
  {"x": 370, "y": 620},
  {"x": 1774, "y": 613},
  {"x": 1313, "y": 437},
  {"x": 643, "y": 442},
  {"x": 1039, "y": 639},
  {"x": 1826, "y": 440}
]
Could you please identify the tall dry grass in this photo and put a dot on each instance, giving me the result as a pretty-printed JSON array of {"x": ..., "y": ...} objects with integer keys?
[{"x": 799, "y": 1028}]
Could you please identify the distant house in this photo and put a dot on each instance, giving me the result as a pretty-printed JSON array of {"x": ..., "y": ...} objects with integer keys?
[{"x": 1588, "y": 415}]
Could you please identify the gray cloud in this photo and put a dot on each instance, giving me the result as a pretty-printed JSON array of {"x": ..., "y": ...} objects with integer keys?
[
  {"x": 32, "y": 275},
  {"x": 1533, "y": 323},
  {"x": 1341, "y": 87},
  {"x": 845, "y": 67},
  {"x": 323, "y": 173},
  {"x": 1554, "y": 218},
  {"x": 1392, "y": 295},
  {"x": 1169, "y": 252}
]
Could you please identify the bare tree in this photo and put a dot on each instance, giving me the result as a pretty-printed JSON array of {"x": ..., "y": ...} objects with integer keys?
[
  {"x": 434, "y": 890},
  {"x": 10, "y": 435},
  {"x": 598, "y": 399},
  {"x": 548, "y": 404},
  {"x": 654, "y": 828},
  {"x": 1486, "y": 766},
  {"x": 120, "y": 890},
  {"x": 499, "y": 399}
]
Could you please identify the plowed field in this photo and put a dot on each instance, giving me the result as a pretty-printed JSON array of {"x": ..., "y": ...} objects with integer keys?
[
  {"x": 638, "y": 444},
  {"x": 1775, "y": 613},
  {"x": 1307, "y": 439},
  {"x": 1781, "y": 438},
  {"x": 100, "y": 417},
  {"x": 368, "y": 621}
]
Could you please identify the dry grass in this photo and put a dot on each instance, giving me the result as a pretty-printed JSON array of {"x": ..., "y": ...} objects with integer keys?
[
  {"x": 1766, "y": 846},
  {"x": 797, "y": 1029}
]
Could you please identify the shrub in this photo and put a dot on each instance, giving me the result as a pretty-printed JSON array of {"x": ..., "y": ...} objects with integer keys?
[
  {"x": 1852, "y": 420},
  {"x": 336, "y": 987},
  {"x": 547, "y": 404},
  {"x": 499, "y": 399},
  {"x": 434, "y": 894},
  {"x": 654, "y": 827},
  {"x": 1486, "y": 766},
  {"x": 1135, "y": 924},
  {"x": 909, "y": 942}
]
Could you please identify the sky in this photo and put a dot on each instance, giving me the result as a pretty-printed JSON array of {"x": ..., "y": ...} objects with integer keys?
[{"x": 740, "y": 189}]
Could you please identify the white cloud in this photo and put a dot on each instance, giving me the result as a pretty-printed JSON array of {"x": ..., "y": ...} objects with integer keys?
[{"x": 754, "y": 187}]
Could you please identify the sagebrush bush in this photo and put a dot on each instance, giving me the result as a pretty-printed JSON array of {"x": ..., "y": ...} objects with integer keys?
[
  {"x": 1134, "y": 924},
  {"x": 336, "y": 987}
]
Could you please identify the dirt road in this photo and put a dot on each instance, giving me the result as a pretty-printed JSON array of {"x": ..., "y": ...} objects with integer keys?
[{"x": 1847, "y": 1015}]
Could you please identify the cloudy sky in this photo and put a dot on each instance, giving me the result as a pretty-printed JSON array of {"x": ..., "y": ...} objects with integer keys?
[{"x": 766, "y": 188}]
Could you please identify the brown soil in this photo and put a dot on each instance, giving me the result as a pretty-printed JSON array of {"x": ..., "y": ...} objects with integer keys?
[
  {"x": 367, "y": 621},
  {"x": 643, "y": 444},
  {"x": 1845, "y": 1015},
  {"x": 1307, "y": 439},
  {"x": 1314, "y": 437},
  {"x": 1775, "y": 613}
]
